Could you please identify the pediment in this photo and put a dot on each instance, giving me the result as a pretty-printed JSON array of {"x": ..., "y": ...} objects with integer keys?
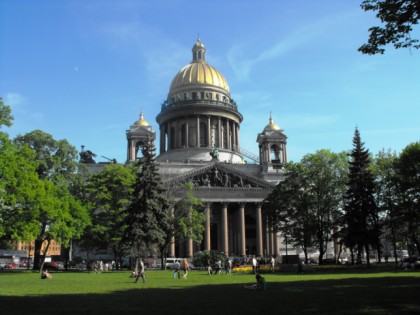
[{"x": 219, "y": 175}]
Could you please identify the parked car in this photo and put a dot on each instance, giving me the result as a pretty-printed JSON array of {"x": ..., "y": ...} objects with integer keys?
[
  {"x": 23, "y": 264},
  {"x": 10, "y": 265}
]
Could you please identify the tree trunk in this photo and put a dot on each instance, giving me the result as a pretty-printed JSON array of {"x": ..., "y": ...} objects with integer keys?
[
  {"x": 416, "y": 241},
  {"x": 37, "y": 253},
  {"x": 367, "y": 255},
  {"x": 394, "y": 244},
  {"x": 43, "y": 256}
]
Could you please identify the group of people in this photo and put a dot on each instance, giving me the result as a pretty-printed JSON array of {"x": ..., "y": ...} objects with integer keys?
[
  {"x": 177, "y": 269},
  {"x": 100, "y": 266},
  {"x": 217, "y": 268}
]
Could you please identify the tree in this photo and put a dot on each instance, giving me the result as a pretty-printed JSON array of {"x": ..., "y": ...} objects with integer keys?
[
  {"x": 305, "y": 207},
  {"x": 361, "y": 213},
  {"x": 56, "y": 158},
  {"x": 56, "y": 165},
  {"x": 6, "y": 117},
  {"x": 18, "y": 190},
  {"x": 109, "y": 194},
  {"x": 289, "y": 209},
  {"x": 147, "y": 216},
  {"x": 384, "y": 172},
  {"x": 186, "y": 220},
  {"x": 408, "y": 181},
  {"x": 326, "y": 176},
  {"x": 399, "y": 17}
]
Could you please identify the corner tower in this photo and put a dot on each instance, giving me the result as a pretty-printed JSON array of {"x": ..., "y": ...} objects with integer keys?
[
  {"x": 139, "y": 135},
  {"x": 273, "y": 154},
  {"x": 199, "y": 115}
]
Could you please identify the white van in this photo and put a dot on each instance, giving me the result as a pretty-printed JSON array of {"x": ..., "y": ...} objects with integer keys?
[{"x": 169, "y": 263}]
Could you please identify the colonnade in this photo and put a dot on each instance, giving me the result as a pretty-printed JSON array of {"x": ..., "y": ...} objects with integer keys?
[
  {"x": 199, "y": 131},
  {"x": 232, "y": 228}
]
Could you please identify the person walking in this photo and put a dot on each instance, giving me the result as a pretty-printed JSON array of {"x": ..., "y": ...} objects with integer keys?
[
  {"x": 254, "y": 265},
  {"x": 185, "y": 267},
  {"x": 228, "y": 267},
  {"x": 176, "y": 269},
  {"x": 272, "y": 263},
  {"x": 140, "y": 273}
]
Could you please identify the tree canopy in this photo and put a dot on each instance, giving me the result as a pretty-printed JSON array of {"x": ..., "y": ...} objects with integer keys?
[
  {"x": 361, "y": 212},
  {"x": 109, "y": 194},
  {"x": 54, "y": 214},
  {"x": 398, "y": 18},
  {"x": 147, "y": 217}
]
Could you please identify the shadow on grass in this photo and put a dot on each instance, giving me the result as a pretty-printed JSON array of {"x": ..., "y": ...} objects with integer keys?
[{"x": 396, "y": 295}]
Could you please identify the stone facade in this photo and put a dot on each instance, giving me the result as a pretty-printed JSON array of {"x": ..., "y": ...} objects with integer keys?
[{"x": 198, "y": 117}]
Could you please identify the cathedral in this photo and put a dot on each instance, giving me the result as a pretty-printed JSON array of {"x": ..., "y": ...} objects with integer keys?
[{"x": 199, "y": 142}]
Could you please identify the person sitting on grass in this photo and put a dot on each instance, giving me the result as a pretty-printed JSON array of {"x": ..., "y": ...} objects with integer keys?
[
  {"x": 46, "y": 275},
  {"x": 260, "y": 285}
]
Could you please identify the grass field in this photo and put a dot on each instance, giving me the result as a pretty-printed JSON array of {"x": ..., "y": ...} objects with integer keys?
[{"x": 287, "y": 293}]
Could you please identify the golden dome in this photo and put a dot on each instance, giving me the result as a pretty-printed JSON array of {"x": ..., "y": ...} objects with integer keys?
[
  {"x": 141, "y": 121},
  {"x": 198, "y": 72},
  {"x": 271, "y": 125}
]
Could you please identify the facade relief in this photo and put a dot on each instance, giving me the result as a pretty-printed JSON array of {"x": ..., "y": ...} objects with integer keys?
[{"x": 218, "y": 178}]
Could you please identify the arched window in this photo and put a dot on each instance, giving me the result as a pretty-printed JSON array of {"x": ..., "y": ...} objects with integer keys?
[
  {"x": 139, "y": 149},
  {"x": 203, "y": 135},
  {"x": 194, "y": 95},
  {"x": 275, "y": 153}
]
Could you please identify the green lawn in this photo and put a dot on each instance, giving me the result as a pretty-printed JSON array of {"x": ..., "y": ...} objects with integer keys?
[{"x": 116, "y": 293}]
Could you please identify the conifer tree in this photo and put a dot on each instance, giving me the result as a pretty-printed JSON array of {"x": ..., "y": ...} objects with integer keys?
[
  {"x": 148, "y": 214},
  {"x": 361, "y": 215}
]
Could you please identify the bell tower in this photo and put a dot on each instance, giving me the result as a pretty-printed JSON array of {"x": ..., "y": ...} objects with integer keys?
[
  {"x": 272, "y": 149},
  {"x": 139, "y": 134}
]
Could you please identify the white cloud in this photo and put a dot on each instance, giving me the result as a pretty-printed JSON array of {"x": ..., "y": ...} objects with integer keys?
[
  {"x": 14, "y": 100},
  {"x": 243, "y": 64},
  {"x": 298, "y": 121}
]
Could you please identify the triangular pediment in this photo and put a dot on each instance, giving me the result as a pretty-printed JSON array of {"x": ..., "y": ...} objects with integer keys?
[{"x": 219, "y": 175}]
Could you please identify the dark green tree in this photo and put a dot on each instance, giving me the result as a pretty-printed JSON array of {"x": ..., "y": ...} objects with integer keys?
[
  {"x": 326, "y": 175},
  {"x": 147, "y": 217},
  {"x": 289, "y": 209},
  {"x": 387, "y": 200},
  {"x": 408, "y": 181},
  {"x": 399, "y": 17},
  {"x": 306, "y": 206},
  {"x": 361, "y": 213},
  {"x": 109, "y": 194}
]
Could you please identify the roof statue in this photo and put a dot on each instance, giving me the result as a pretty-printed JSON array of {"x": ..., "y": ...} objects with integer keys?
[
  {"x": 214, "y": 154},
  {"x": 86, "y": 156}
]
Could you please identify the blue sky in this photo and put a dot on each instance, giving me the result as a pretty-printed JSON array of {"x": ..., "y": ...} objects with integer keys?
[{"x": 83, "y": 70}]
